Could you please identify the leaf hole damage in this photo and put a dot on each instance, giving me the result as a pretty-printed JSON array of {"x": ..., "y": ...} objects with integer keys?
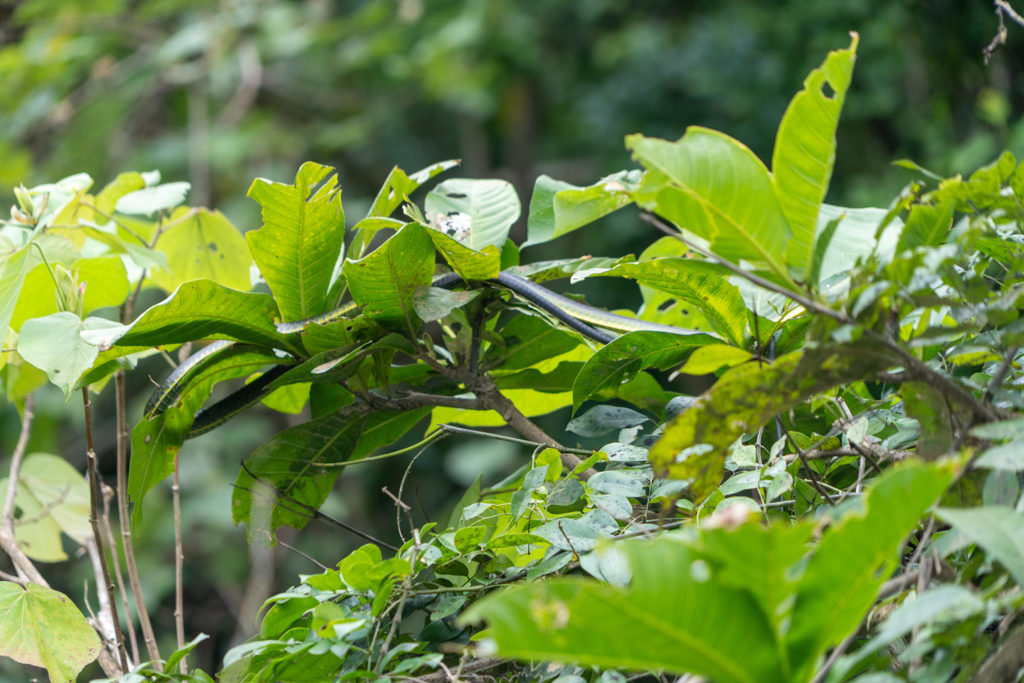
[
  {"x": 666, "y": 304},
  {"x": 828, "y": 91}
]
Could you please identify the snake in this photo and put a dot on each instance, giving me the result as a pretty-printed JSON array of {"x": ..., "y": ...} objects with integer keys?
[{"x": 593, "y": 323}]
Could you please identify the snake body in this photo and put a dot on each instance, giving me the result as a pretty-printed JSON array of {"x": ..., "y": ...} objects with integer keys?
[{"x": 594, "y": 323}]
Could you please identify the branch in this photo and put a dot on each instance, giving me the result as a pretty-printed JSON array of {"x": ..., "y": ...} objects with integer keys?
[
  {"x": 95, "y": 503},
  {"x": 8, "y": 542}
]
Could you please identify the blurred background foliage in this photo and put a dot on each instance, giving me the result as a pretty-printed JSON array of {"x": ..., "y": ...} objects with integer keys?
[{"x": 218, "y": 93}]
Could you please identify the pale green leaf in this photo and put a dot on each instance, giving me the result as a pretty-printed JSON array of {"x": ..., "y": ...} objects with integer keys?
[
  {"x": 470, "y": 264},
  {"x": 711, "y": 185},
  {"x": 52, "y": 497},
  {"x": 999, "y": 530},
  {"x": 475, "y": 212},
  {"x": 149, "y": 200},
  {"x": 54, "y": 344},
  {"x": 714, "y": 357},
  {"x": 678, "y": 621},
  {"x": 805, "y": 151},
  {"x": 13, "y": 268},
  {"x": 202, "y": 244},
  {"x": 557, "y": 207},
  {"x": 41, "y": 627}
]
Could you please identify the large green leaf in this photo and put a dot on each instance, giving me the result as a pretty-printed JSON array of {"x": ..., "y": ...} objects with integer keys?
[
  {"x": 470, "y": 264},
  {"x": 201, "y": 309},
  {"x": 301, "y": 239},
  {"x": 52, "y": 497},
  {"x": 742, "y": 604},
  {"x": 999, "y": 530},
  {"x": 156, "y": 442},
  {"x": 475, "y": 212},
  {"x": 697, "y": 283},
  {"x": 927, "y": 225},
  {"x": 621, "y": 359},
  {"x": 55, "y": 345},
  {"x": 557, "y": 207},
  {"x": 396, "y": 189},
  {"x": 713, "y": 186},
  {"x": 672, "y": 618},
  {"x": 385, "y": 282},
  {"x": 202, "y": 244},
  {"x": 41, "y": 627},
  {"x": 695, "y": 444},
  {"x": 301, "y": 464},
  {"x": 805, "y": 151},
  {"x": 855, "y": 557}
]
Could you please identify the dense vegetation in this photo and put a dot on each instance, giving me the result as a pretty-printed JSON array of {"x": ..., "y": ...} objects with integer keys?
[{"x": 842, "y": 497}]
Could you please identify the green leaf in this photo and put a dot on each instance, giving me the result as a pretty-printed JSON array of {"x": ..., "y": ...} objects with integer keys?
[
  {"x": 713, "y": 186},
  {"x": 52, "y": 497},
  {"x": 805, "y": 151},
  {"x": 386, "y": 281},
  {"x": 470, "y": 264},
  {"x": 695, "y": 444},
  {"x": 700, "y": 284},
  {"x": 298, "y": 467},
  {"x": 854, "y": 237},
  {"x": 675, "y": 621},
  {"x": 156, "y": 442},
  {"x": 557, "y": 207},
  {"x": 999, "y": 530},
  {"x": 621, "y": 359},
  {"x": 530, "y": 403},
  {"x": 941, "y": 604},
  {"x": 927, "y": 226},
  {"x": 54, "y": 344},
  {"x": 202, "y": 244},
  {"x": 928, "y": 406},
  {"x": 13, "y": 268},
  {"x": 435, "y": 303},
  {"x": 398, "y": 186},
  {"x": 41, "y": 627},
  {"x": 714, "y": 357},
  {"x": 301, "y": 239},
  {"x": 855, "y": 558},
  {"x": 106, "y": 199},
  {"x": 201, "y": 309},
  {"x": 475, "y": 212},
  {"x": 149, "y": 200}
]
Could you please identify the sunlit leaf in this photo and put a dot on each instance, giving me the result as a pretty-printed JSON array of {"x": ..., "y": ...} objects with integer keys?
[
  {"x": 202, "y": 244},
  {"x": 301, "y": 239},
  {"x": 42, "y": 627},
  {"x": 805, "y": 151},
  {"x": 713, "y": 186},
  {"x": 475, "y": 212}
]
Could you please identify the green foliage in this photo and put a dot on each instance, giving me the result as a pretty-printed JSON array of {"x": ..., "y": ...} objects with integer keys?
[{"x": 740, "y": 535}]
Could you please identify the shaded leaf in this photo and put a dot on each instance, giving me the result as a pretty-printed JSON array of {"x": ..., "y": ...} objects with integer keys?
[
  {"x": 999, "y": 530},
  {"x": 386, "y": 281},
  {"x": 557, "y": 207}
]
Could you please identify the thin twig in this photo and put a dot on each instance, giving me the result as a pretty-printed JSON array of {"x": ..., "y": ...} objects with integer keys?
[
  {"x": 396, "y": 619},
  {"x": 111, "y": 545},
  {"x": 179, "y": 565},
  {"x": 476, "y": 432},
  {"x": 311, "y": 511},
  {"x": 95, "y": 504},
  {"x": 124, "y": 521}
]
